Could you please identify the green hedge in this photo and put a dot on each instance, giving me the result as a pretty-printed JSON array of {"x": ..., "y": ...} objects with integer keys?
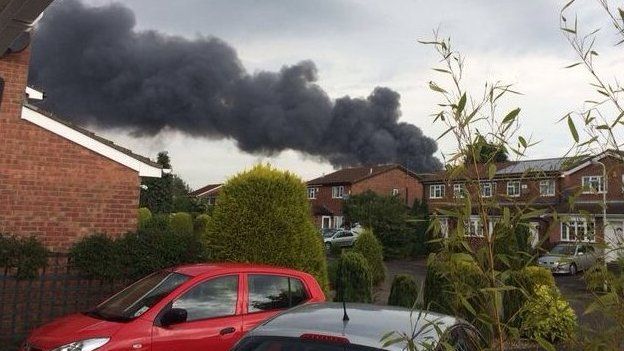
[
  {"x": 144, "y": 216},
  {"x": 404, "y": 291},
  {"x": 353, "y": 278},
  {"x": 200, "y": 225},
  {"x": 368, "y": 245},
  {"x": 182, "y": 223},
  {"x": 24, "y": 254},
  {"x": 263, "y": 216}
]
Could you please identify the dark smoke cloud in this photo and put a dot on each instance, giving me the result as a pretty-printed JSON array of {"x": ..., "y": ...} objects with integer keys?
[{"x": 96, "y": 69}]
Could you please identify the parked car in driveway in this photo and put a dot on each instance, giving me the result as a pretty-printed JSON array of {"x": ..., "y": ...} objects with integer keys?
[
  {"x": 328, "y": 232},
  {"x": 569, "y": 258},
  {"x": 188, "y": 308},
  {"x": 341, "y": 238},
  {"x": 320, "y": 327}
]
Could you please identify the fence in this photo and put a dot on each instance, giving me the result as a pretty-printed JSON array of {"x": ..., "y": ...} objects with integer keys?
[{"x": 57, "y": 290}]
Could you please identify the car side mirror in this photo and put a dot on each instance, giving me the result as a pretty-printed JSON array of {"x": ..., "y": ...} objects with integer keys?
[{"x": 173, "y": 316}]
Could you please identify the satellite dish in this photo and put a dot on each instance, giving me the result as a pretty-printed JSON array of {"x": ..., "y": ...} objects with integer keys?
[{"x": 20, "y": 43}]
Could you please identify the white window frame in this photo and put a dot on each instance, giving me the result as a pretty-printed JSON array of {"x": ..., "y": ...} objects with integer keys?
[
  {"x": 473, "y": 228},
  {"x": 459, "y": 190},
  {"x": 490, "y": 185},
  {"x": 434, "y": 189},
  {"x": 577, "y": 224},
  {"x": 589, "y": 179},
  {"x": 312, "y": 191},
  {"x": 338, "y": 192},
  {"x": 550, "y": 183},
  {"x": 329, "y": 224},
  {"x": 395, "y": 192},
  {"x": 510, "y": 185}
]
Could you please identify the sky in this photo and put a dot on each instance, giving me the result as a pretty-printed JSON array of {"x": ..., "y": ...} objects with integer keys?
[{"x": 358, "y": 45}]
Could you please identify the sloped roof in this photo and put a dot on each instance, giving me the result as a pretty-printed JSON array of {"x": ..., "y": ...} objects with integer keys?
[
  {"x": 206, "y": 189},
  {"x": 47, "y": 120},
  {"x": 356, "y": 174}
]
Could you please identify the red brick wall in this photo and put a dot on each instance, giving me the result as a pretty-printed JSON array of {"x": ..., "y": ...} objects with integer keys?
[
  {"x": 409, "y": 187},
  {"x": 51, "y": 187},
  {"x": 615, "y": 170},
  {"x": 324, "y": 198}
]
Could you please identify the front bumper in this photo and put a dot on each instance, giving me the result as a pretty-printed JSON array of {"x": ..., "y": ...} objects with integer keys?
[{"x": 560, "y": 268}]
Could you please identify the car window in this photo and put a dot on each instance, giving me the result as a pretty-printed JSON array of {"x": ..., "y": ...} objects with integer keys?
[
  {"x": 213, "y": 298},
  {"x": 272, "y": 292}
]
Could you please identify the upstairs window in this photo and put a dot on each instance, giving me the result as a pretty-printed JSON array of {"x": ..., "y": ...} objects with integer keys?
[
  {"x": 312, "y": 193},
  {"x": 459, "y": 190},
  {"x": 337, "y": 192},
  {"x": 593, "y": 184},
  {"x": 547, "y": 187},
  {"x": 487, "y": 189},
  {"x": 513, "y": 188},
  {"x": 436, "y": 191}
]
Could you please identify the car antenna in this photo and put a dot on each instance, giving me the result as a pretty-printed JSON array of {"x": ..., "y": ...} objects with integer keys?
[{"x": 345, "y": 316}]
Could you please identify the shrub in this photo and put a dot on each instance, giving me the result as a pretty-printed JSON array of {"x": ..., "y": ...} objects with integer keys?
[
  {"x": 263, "y": 216},
  {"x": 353, "y": 278},
  {"x": 26, "y": 255},
  {"x": 201, "y": 224},
  {"x": 512, "y": 247},
  {"x": 404, "y": 291},
  {"x": 368, "y": 245},
  {"x": 181, "y": 223},
  {"x": 144, "y": 216},
  {"x": 97, "y": 256},
  {"x": 547, "y": 315},
  {"x": 526, "y": 280}
]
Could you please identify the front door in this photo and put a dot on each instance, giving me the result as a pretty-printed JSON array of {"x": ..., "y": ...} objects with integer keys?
[{"x": 214, "y": 320}]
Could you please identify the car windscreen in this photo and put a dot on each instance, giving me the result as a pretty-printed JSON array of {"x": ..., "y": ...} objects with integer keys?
[
  {"x": 139, "y": 297},
  {"x": 563, "y": 250},
  {"x": 271, "y": 343}
]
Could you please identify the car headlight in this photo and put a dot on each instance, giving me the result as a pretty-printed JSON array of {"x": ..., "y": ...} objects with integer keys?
[{"x": 84, "y": 345}]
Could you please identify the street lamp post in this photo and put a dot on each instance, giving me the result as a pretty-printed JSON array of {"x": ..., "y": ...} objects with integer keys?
[{"x": 605, "y": 188}]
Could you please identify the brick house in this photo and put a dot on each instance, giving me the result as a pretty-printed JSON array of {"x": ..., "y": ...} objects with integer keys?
[
  {"x": 208, "y": 193},
  {"x": 546, "y": 184},
  {"x": 60, "y": 182},
  {"x": 327, "y": 193}
]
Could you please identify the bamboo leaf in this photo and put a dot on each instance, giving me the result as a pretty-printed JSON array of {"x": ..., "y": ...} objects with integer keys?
[
  {"x": 522, "y": 141},
  {"x": 442, "y": 70},
  {"x": 567, "y": 5},
  {"x": 545, "y": 344},
  {"x": 617, "y": 120},
  {"x": 433, "y": 86},
  {"x": 461, "y": 104},
  {"x": 573, "y": 65},
  {"x": 511, "y": 116},
  {"x": 491, "y": 171},
  {"x": 573, "y": 130}
]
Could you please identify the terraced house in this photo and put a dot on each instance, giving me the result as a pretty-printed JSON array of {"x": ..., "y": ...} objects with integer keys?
[
  {"x": 327, "y": 193},
  {"x": 548, "y": 184}
]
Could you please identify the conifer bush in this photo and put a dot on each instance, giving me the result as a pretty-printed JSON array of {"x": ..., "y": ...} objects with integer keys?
[
  {"x": 182, "y": 223},
  {"x": 353, "y": 278},
  {"x": 263, "y": 216},
  {"x": 369, "y": 246},
  {"x": 404, "y": 291}
]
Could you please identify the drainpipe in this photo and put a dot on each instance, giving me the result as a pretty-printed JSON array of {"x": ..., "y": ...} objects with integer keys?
[{"x": 604, "y": 212}]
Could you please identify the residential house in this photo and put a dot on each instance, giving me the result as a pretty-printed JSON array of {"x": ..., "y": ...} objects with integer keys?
[
  {"x": 208, "y": 193},
  {"x": 547, "y": 184},
  {"x": 58, "y": 181},
  {"x": 327, "y": 193}
]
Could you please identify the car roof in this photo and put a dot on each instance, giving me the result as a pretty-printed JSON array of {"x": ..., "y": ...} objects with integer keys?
[
  {"x": 194, "y": 270},
  {"x": 366, "y": 325}
]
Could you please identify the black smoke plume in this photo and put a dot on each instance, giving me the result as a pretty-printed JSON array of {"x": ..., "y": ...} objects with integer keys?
[{"x": 96, "y": 69}]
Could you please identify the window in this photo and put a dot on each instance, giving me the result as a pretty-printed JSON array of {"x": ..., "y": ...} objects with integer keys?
[
  {"x": 337, "y": 192},
  {"x": 513, "y": 188},
  {"x": 487, "y": 189},
  {"x": 474, "y": 227},
  {"x": 395, "y": 192},
  {"x": 212, "y": 298},
  {"x": 459, "y": 190},
  {"x": 577, "y": 229},
  {"x": 547, "y": 187},
  {"x": 312, "y": 193},
  {"x": 593, "y": 184},
  {"x": 436, "y": 191},
  {"x": 272, "y": 292}
]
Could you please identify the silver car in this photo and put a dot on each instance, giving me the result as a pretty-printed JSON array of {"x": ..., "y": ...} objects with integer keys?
[
  {"x": 341, "y": 238},
  {"x": 569, "y": 258},
  {"x": 321, "y": 327}
]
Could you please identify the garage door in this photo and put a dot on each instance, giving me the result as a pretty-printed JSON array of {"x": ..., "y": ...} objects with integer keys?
[{"x": 614, "y": 237}]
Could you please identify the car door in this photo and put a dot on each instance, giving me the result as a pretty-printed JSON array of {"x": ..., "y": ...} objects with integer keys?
[
  {"x": 214, "y": 320},
  {"x": 269, "y": 294}
]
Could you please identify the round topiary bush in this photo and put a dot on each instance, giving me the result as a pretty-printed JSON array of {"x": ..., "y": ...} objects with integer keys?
[
  {"x": 181, "y": 223},
  {"x": 368, "y": 245},
  {"x": 548, "y": 316},
  {"x": 144, "y": 216},
  {"x": 404, "y": 291},
  {"x": 263, "y": 216},
  {"x": 353, "y": 278}
]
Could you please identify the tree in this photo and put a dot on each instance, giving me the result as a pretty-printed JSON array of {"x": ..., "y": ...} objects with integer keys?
[
  {"x": 368, "y": 245},
  {"x": 353, "y": 278},
  {"x": 263, "y": 216},
  {"x": 482, "y": 151},
  {"x": 156, "y": 193},
  {"x": 387, "y": 216}
]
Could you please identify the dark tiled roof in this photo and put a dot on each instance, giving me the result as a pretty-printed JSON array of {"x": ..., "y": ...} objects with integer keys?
[
  {"x": 94, "y": 136},
  {"x": 356, "y": 174},
  {"x": 205, "y": 189}
]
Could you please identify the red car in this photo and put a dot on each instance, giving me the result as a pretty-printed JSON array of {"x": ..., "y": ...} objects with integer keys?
[{"x": 206, "y": 307}]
